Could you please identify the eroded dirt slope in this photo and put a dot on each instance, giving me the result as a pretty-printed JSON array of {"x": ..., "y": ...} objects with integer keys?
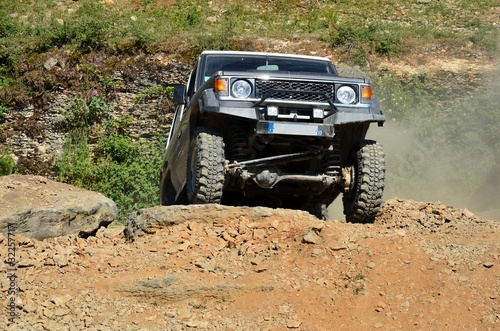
[{"x": 421, "y": 266}]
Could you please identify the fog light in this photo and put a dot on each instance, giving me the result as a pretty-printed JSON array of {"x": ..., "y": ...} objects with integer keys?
[
  {"x": 272, "y": 111},
  {"x": 318, "y": 113}
]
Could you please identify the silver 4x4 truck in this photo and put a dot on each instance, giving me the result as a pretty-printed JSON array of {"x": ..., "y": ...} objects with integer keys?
[{"x": 275, "y": 130}]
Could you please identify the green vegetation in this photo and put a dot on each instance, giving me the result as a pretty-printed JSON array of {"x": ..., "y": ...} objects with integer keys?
[
  {"x": 4, "y": 109},
  {"x": 117, "y": 26},
  {"x": 154, "y": 91},
  {"x": 6, "y": 163},
  {"x": 86, "y": 110},
  {"x": 123, "y": 169}
]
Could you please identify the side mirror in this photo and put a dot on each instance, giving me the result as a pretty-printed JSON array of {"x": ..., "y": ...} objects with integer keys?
[{"x": 179, "y": 94}]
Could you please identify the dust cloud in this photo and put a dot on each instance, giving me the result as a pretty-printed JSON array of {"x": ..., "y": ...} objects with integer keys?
[{"x": 452, "y": 157}]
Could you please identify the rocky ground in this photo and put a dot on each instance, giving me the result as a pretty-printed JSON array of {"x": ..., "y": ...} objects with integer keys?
[{"x": 420, "y": 266}]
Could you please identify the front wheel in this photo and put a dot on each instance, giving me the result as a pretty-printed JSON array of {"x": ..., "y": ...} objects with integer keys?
[
  {"x": 363, "y": 198},
  {"x": 205, "y": 173}
]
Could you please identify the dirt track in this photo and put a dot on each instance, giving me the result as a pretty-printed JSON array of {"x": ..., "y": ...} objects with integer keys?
[{"x": 421, "y": 266}]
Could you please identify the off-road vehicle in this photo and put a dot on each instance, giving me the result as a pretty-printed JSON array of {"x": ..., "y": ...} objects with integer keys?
[{"x": 275, "y": 130}]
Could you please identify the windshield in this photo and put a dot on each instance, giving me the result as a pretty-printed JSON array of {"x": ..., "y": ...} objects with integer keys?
[{"x": 258, "y": 63}]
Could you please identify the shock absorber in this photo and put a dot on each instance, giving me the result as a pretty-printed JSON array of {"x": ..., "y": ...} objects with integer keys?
[{"x": 332, "y": 159}]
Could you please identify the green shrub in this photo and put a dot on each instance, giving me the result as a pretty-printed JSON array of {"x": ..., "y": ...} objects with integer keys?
[
  {"x": 4, "y": 109},
  {"x": 360, "y": 39},
  {"x": 6, "y": 163},
  {"x": 76, "y": 165},
  {"x": 8, "y": 28},
  {"x": 120, "y": 168},
  {"x": 154, "y": 91},
  {"x": 142, "y": 34},
  {"x": 132, "y": 182},
  {"x": 86, "y": 109},
  {"x": 318, "y": 19},
  {"x": 116, "y": 148},
  {"x": 187, "y": 14},
  {"x": 127, "y": 171},
  {"x": 87, "y": 29}
]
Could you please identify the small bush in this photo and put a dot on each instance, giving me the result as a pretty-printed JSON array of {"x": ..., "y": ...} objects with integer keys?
[
  {"x": 360, "y": 39},
  {"x": 75, "y": 165},
  {"x": 8, "y": 28},
  {"x": 116, "y": 148},
  {"x": 187, "y": 14},
  {"x": 86, "y": 109},
  {"x": 154, "y": 91},
  {"x": 128, "y": 171},
  {"x": 88, "y": 29},
  {"x": 6, "y": 163},
  {"x": 131, "y": 182},
  {"x": 4, "y": 109},
  {"x": 120, "y": 168}
]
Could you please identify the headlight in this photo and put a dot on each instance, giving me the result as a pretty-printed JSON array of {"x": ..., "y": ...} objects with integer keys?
[
  {"x": 241, "y": 89},
  {"x": 346, "y": 94}
]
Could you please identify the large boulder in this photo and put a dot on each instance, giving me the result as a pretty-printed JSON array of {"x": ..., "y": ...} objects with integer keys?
[
  {"x": 151, "y": 220},
  {"x": 39, "y": 208}
]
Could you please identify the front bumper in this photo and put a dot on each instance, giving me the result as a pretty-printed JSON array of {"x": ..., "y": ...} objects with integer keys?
[{"x": 325, "y": 128}]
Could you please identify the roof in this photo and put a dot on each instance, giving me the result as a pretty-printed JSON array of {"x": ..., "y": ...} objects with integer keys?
[{"x": 264, "y": 54}]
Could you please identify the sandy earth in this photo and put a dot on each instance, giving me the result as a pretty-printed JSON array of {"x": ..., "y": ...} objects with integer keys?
[{"x": 420, "y": 266}]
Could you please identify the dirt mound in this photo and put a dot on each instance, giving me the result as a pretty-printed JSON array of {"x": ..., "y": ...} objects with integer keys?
[
  {"x": 420, "y": 266},
  {"x": 431, "y": 216}
]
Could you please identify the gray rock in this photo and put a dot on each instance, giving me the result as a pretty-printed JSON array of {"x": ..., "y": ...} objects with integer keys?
[
  {"x": 149, "y": 220},
  {"x": 39, "y": 208},
  {"x": 171, "y": 288},
  {"x": 311, "y": 237},
  {"x": 50, "y": 63}
]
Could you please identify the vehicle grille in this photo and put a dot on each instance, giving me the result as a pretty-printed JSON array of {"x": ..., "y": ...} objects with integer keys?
[{"x": 291, "y": 90}]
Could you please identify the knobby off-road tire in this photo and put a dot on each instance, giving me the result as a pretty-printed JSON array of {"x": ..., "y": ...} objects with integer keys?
[
  {"x": 364, "y": 198},
  {"x": 205, "y": 173}
]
